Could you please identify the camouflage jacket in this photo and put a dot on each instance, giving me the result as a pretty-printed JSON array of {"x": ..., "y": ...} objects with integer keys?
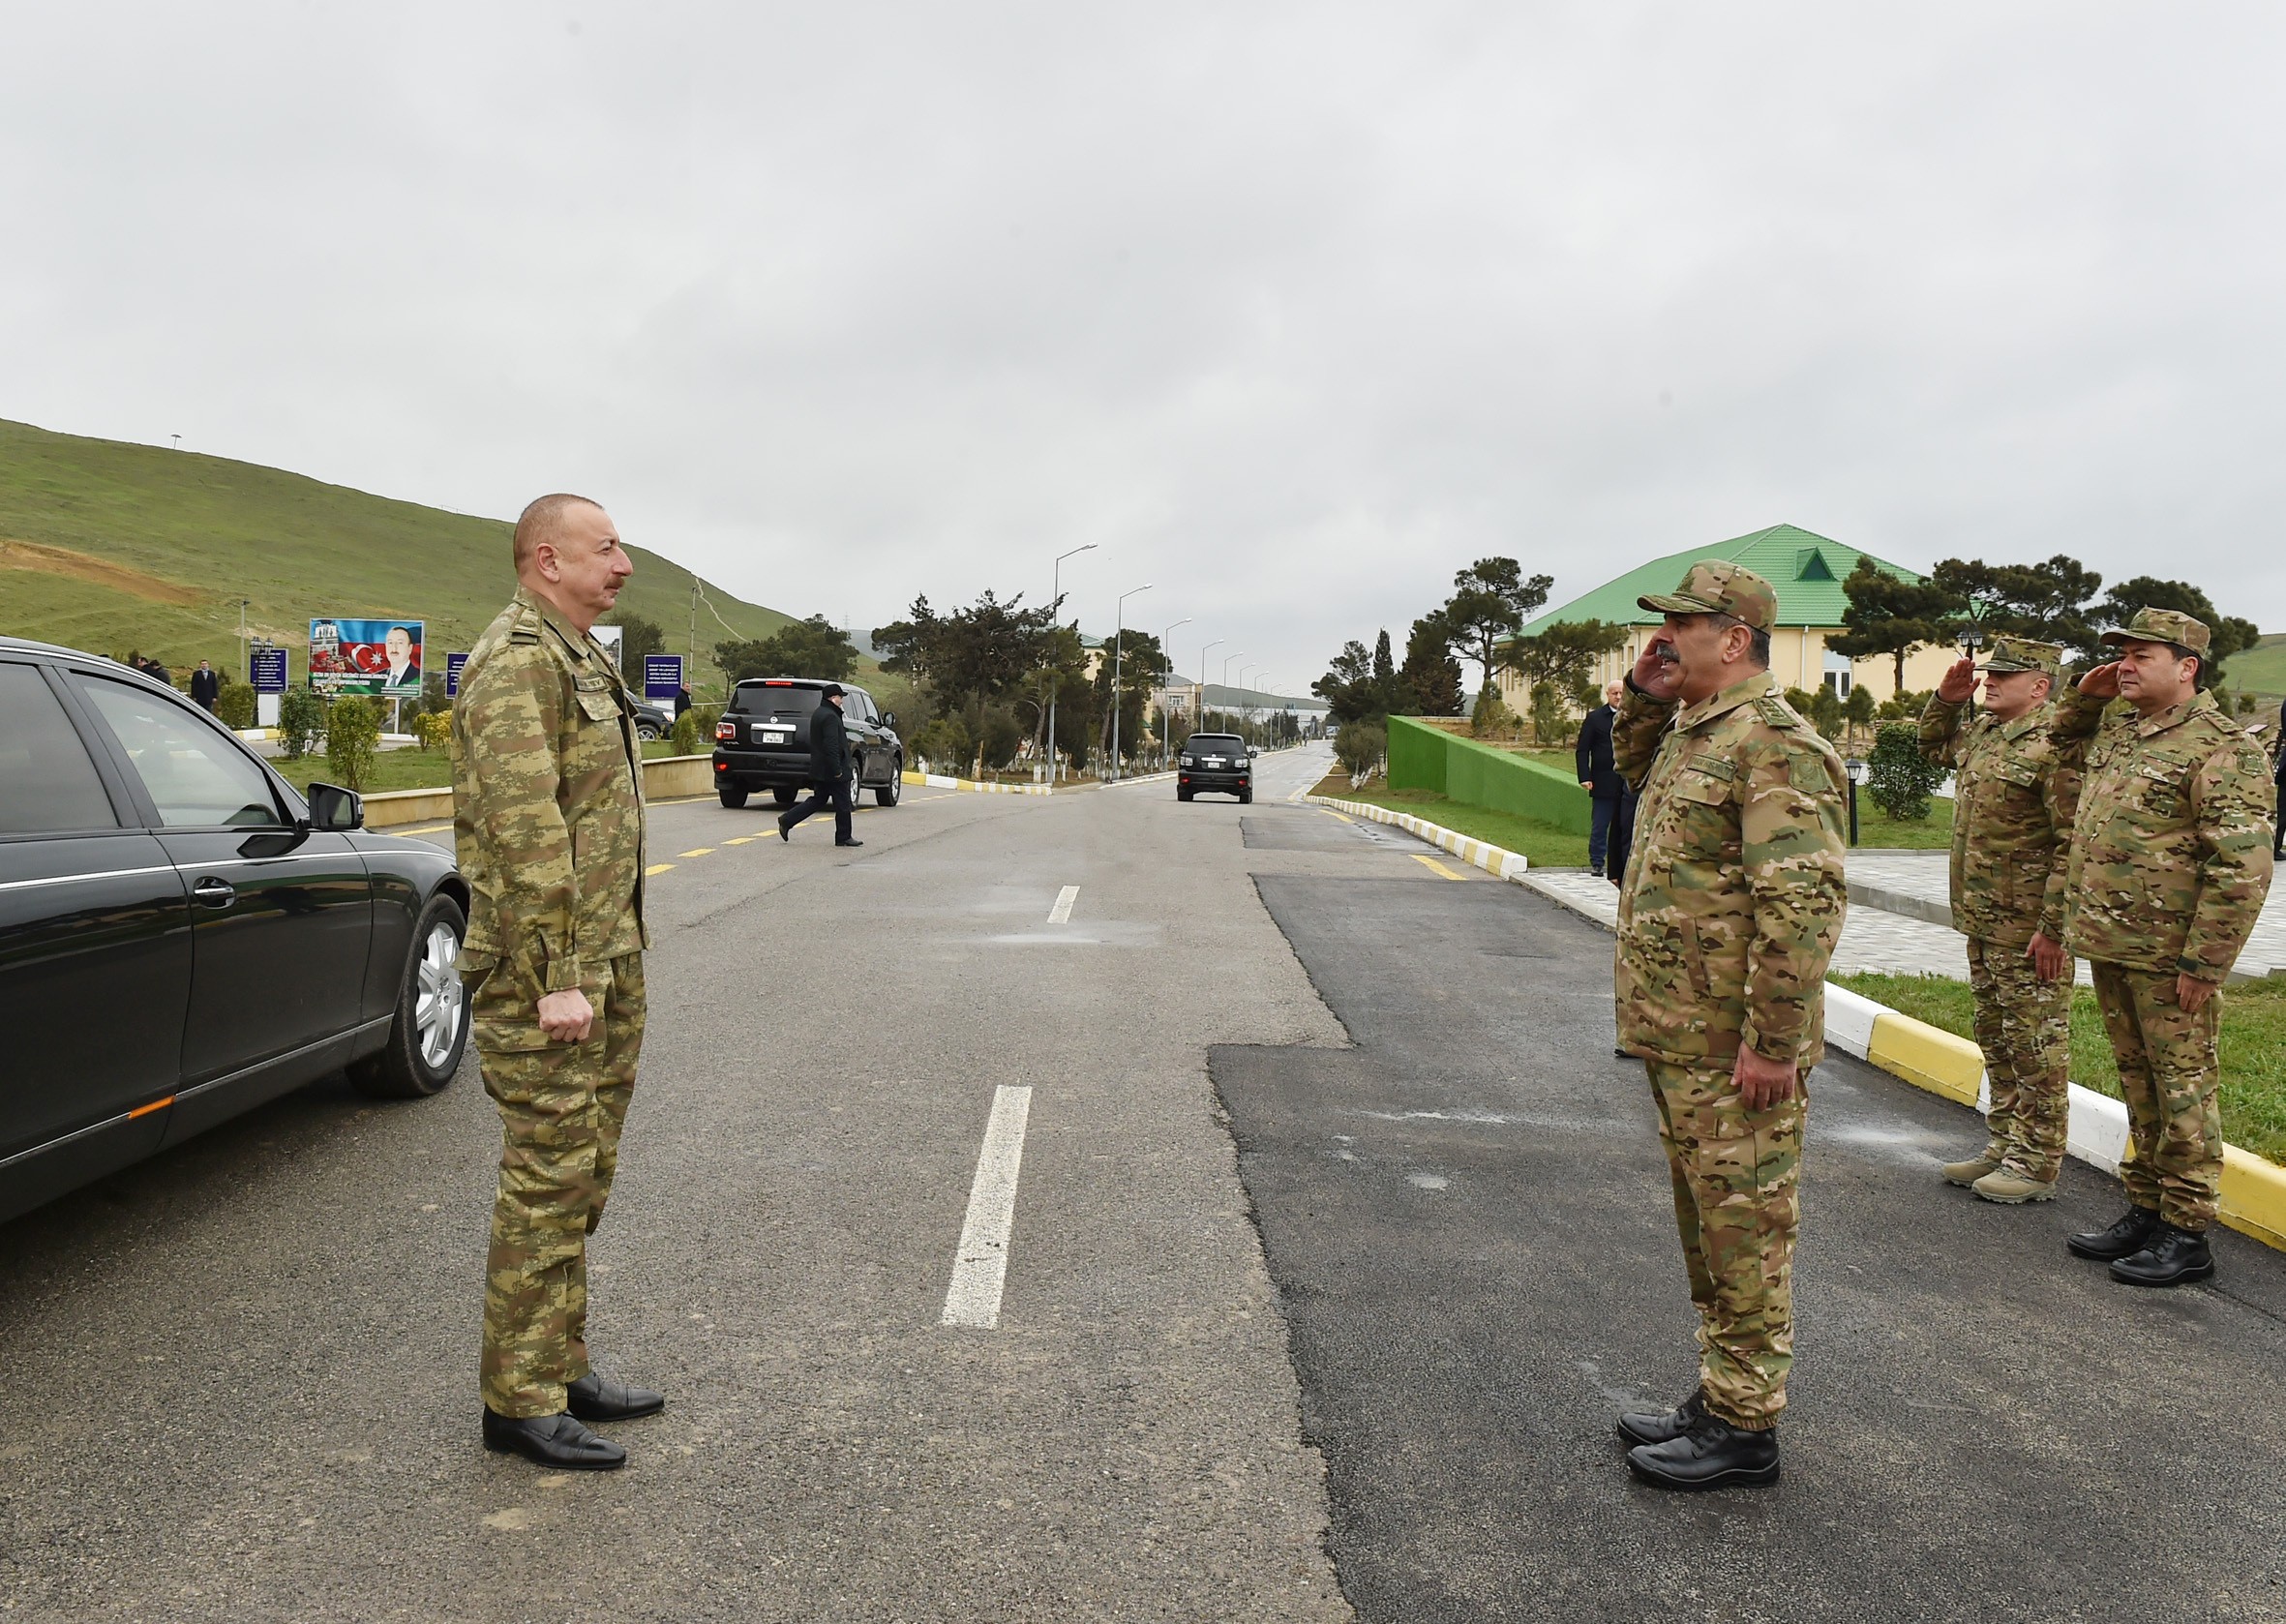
[
  {"x": 2170, "y": 850},
  {"x": 547, "y": 800},
  {"x": 2012, "y": 820},
  {"x": 1734, "y": 890}
]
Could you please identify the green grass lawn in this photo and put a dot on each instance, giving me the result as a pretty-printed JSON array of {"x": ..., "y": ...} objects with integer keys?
[
  {"x": 1877, "y": 829},
  {"x": 2253, "y": 1045},
  {"x": 1542, "y": 845},
  {"x": 404, "y": 769}
]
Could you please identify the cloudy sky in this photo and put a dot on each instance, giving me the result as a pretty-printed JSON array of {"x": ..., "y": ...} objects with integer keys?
[{"x": 1290, "y": 309}]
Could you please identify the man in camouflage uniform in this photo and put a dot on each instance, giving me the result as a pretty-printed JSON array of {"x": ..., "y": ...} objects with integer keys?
[
  {"x": 2012, "y": 824},
  {"x": 2170, "y": 862},
  {"x": 1732, "y": 905},
  {"x": 548, "y": 818}
]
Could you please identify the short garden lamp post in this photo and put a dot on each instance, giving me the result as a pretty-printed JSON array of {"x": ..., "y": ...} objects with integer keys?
[{"x": 1858, "y": 771}]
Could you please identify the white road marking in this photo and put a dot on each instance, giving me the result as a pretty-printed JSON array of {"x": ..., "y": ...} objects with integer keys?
[
  {"x": 1061, "y": 914},
  {"x": 981, "y": 1264}
]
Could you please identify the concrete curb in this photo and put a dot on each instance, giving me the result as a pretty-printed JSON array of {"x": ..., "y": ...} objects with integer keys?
[
  {"x": 938, "y": 781},
  {"x": 1928, "y": 1057},
  {"x": 1501, "y": 864}
]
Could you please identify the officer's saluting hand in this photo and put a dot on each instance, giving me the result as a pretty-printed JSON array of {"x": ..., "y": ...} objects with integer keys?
[{"x": 547, "y": 819}]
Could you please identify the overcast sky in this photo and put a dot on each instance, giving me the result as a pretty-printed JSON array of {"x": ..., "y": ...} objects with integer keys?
[{"x": 1292, "y": 310}]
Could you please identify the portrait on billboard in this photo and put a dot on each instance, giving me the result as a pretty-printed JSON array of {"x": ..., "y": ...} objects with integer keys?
[{"x": 350, "y": 656}]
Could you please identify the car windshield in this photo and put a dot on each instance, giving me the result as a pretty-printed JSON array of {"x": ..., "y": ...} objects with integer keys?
[
  {"x": 787, "y": 699},
  {"x": 1214, "y": 744}
]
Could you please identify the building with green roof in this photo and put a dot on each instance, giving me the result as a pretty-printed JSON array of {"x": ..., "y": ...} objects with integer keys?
[{"x": 1806, "y": 568}]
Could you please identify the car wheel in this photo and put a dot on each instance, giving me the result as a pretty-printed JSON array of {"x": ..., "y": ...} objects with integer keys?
[
  {"x": 731, "y": 796},
  {"x": 885, "y": 794},
  {"x": 1182, "y": 795},
  {"x": 1246, "y": 798},
  {"x": 647, "y": 733},
  {"x": 431, "y": 1024},
  {"x": 785, "y": 794}
]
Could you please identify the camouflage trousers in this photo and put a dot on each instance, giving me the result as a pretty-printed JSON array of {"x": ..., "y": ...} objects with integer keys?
[
  {"x": 1736, "y": 1176},
  {"x": 2024, "y": 1027},
  {"x": 562, "y": 1108},
  {"x": 2168, "y": 1073}
]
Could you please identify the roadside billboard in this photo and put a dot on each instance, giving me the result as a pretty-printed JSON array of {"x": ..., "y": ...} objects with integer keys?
[
  {"x": 350, "y": 656},
  {"x": 268, "y": 669},
  {"x": 454, "y": 665},
  {"x": 662, "y": 675}
]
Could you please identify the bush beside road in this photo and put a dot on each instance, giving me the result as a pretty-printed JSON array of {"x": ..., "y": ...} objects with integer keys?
[
  {"x": 2253, "y": 1045},
  {"x": 404, "y": 768}
]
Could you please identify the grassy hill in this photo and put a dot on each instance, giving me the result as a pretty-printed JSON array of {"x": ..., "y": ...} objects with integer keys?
[
  {"x": 109, "y": 547},
  {"x": 2261, "y": 669}
]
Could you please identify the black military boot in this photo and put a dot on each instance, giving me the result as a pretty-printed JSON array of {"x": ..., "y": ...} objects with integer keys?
[
  {"x": 1711, "y": 1454},
  {"x": 593, "y": 1399},
  {"x": 1658, "y": 1427},
  {"x": 2121, "y": 1239},
  {"x": 556, "y": 1440},
  {"x": 2173, "y": 1257}
]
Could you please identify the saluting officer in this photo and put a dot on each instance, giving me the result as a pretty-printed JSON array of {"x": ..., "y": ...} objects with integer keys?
[
  {"x": 2012, "y": 824},
  {"x": 548, "y": 817},
  {"x": 1731, "y": 909},
  {"x": 2170, "y": 862}
]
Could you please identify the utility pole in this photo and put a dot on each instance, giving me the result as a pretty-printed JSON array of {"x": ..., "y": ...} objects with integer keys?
[
  {"x": 693, "y": 668},
  {"x": 1167, "y": 676},
  {"x": 1226, "y": 659},
  {"x": 245, "y": 659},
  {"x": 1056, "y": 608},
  {"x": 1200, "y": 721}
]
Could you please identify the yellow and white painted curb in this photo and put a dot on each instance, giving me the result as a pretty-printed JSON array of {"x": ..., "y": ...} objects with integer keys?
[
  {"x": 2253, "y": 1189},
  {"x": 938, "y": 781},
  {"x": 1500, "y": 863}
]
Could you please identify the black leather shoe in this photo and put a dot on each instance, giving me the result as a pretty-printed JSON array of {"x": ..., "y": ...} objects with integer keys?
[
  {"x": 784, "y": 833},
  {"x": 1712, "y": 1454},
  {"x": 2122, "y": 1238},
  {"x": 556, "y": 1440},
  {"x": 1659, "y": 1426},
  {"x": 848, "y": 843},
  {"x": 593, "y": 1399},
  {"x": 2173, "y": 1257}
]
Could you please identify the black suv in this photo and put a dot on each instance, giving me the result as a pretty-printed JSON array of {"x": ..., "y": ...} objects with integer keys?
[
  {"x": 1218, "y": 762},
  {"x": 763, "y": 741},
  {"x": 183, "y": 936}
]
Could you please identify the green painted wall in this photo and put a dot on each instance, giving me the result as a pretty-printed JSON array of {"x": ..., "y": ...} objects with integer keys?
[{"x": 1426, "y": 757}]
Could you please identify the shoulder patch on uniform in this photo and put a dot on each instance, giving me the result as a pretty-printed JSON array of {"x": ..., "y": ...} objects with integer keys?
[
  {"x": 525, "y": 633},
  {"x": 1777, "y": 712}
]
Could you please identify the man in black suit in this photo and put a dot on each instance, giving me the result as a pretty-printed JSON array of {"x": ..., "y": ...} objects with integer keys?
[
  {"x": 830, "y": 771},
  {"x": 1613, "y": 830},
  {"x": 207, "y": 686}
]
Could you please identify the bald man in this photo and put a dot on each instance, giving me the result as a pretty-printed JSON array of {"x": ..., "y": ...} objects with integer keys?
[{"x": 548, "y": 818}]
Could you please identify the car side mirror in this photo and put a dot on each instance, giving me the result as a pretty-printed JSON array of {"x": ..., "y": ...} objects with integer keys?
[
  {"x": 888, "y": 718},
  {"x": 333, "y": 809}
]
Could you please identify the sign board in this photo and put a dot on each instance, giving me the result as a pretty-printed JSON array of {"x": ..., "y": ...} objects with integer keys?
[
  {"x": 662, "y": 675},
  {"x": 614, "y": 638},
  {"x": 348, "y": 656},
  {"x": 267, "y": 669},
  {"x": 452, "y": 674}
]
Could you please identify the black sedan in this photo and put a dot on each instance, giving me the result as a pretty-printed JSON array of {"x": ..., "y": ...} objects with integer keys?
[{"x": 183, "y": 936}]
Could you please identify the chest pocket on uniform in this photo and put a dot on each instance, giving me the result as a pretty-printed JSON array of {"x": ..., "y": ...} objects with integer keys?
[
  {"x": 2153, "y": 787},
  {"x": 597, "y": 700}
]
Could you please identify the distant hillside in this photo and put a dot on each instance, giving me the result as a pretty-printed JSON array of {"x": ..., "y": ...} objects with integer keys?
[
  {"x": 109, "y": 547},
  {"x": 2261, "y": 669}
]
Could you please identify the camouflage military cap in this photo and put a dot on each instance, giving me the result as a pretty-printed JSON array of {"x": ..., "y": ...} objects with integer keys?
[
  {"x": 2023, "y": 653},
  {"x": 2163, "y": 626},
  {"x": 1714, "y": 587}
]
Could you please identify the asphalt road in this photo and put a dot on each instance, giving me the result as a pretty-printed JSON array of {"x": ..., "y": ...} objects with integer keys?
[{"x": 1369, "y": 1363}]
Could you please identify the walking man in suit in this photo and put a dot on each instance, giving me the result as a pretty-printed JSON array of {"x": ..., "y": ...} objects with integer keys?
[
  {"x": 207, "y": 686},
  {"x": 830, "y": 771},
  {"x": 1612, "y": 831}
]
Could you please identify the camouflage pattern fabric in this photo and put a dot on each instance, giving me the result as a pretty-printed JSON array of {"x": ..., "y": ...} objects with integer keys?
[
  {"x": 1737, "y": 1174},
  {"x": 1718, "y": 586},
  {"x": 2170, "y": 848},
  {"x": 2168, "y": 1074},
  {"x": 2024, "y": 1027},
  {"x": 547, "y": 800},
  {"x": 548, "y": 818},
  {"x": 1734, "y": 892},
  {"x": 562, "y": 1107},
  {"x": 2013, "y": 807}
]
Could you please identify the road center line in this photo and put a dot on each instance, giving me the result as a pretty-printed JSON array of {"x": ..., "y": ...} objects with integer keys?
[
  {"x": 657, "y": 868},
  {"x": 980, "y": 1266},
  {"x": 1061, "y": 914}
]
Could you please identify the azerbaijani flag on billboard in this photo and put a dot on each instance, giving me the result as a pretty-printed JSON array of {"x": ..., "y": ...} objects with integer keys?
[{"x": 365, "y": 656}]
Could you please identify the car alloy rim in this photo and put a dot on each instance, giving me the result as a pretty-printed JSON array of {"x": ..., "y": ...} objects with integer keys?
[{"x": 436, "y": 1005}]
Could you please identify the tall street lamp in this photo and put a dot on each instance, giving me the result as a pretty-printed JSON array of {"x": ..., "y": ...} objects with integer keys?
[
  {"x": 1226, "y": 659},
  {"x": 1247, "y": 709},
  {"x": 1163, "y": 646},
  {"x": 1056, "y": 608},
  {"x": 1118, "y": 629}
]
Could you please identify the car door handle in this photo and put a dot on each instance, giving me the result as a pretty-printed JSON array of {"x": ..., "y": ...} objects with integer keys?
[{"x": 215, "y": 892}]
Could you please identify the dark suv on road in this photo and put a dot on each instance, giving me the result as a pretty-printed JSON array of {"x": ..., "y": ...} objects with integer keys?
[
  {"x": 1218, "y": 762},
  {"x": 763, "y": 741},
  {"x": 184, "y": 936}
]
